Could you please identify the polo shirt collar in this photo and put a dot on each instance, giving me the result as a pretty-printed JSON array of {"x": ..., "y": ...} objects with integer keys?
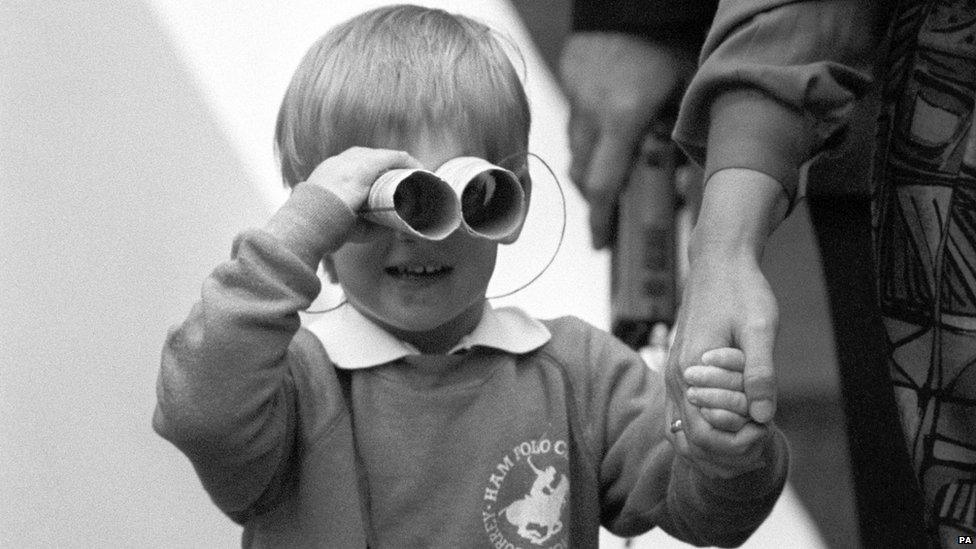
[{"x": 354, "y": 341}]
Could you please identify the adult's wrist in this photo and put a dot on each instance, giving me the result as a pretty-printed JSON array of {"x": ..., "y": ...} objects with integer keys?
[{"x": 740, "y": 209}]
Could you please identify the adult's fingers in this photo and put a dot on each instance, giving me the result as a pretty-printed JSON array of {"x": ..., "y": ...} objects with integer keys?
[
  {"x": 610, "y": 163},
  {"x": 685, "y": 354},
  {"x": 721, "y": 449},
  {"x": 674, "y": 385},
  {"x": 759, "y": 377},
  {"x": 671, "y": 415},
  {"x": 709, "y": 443},
  {"x": 582, "y": 138},
  {"x": 724, "y": 420},
  {"x": 718, "y": 452},
  {"x": 693, "y": 424}
]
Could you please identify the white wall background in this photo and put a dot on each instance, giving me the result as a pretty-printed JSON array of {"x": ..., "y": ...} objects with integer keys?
[{"x": 135, "y": 141}]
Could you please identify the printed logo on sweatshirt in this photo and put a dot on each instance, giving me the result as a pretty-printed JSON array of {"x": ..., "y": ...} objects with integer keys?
[{"x": 525, "y": 502}]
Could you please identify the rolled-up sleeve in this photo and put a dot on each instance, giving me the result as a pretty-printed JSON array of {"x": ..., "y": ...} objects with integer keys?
[{"x": 776, "y": 83}]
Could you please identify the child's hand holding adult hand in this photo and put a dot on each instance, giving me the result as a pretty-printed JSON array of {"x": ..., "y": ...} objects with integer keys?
[
  {"x": 726, "y": 444},
  {"x": 351, "y": 173},
  {"x": 716, "y": 387}
]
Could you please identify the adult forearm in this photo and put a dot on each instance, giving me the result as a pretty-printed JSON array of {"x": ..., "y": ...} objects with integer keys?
[
  {"x": 740, "y": 209},
  {"x": 776, "y": 83}
]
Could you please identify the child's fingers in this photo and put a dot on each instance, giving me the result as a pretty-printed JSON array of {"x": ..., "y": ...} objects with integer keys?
[
  {"x": 392, "y": 158},
  {"x": 376, "y": 161},
  {"x": 725, "y": 357},
  {"x": 716, "y": 452},
  {"x": 710, "y": 376},
  {"x": 724, "y": 420},
  {"x": 708, "y": 397},
  {"x": 351, "y": 173}
]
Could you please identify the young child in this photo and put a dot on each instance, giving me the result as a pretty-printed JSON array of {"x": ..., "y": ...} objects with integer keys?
[{"x": 416, "y": 415}]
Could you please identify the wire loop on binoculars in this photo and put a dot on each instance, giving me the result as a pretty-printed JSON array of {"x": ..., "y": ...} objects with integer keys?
[
  {"x": 562, "y": 227},
  {"x": 549, "y": 262}
]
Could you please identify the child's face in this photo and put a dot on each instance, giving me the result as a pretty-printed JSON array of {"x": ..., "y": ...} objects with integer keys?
[{"x": 422, "y": 291}]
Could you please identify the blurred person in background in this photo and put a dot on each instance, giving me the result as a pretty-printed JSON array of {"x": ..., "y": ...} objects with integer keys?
[{"x": 778, "y": 84}]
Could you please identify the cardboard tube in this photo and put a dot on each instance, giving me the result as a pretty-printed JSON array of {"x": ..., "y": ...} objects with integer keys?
[
  {"x": 492, "y": 199},
  {"x": 416, "y": 202}
]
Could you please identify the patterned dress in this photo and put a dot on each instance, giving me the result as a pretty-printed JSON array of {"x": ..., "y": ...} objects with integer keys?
[{"x": 925, "y": 238}]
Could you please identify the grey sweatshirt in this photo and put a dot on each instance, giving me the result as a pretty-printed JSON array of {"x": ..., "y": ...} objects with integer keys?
[{"x": 479, "y": 449}]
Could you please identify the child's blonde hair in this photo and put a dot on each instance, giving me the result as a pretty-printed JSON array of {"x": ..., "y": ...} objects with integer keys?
[{"x": 398, "y": 71}]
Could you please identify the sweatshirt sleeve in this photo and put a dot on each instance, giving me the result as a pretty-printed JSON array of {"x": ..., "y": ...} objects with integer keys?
[
  {"x": 776, "y": 83},
  {"x": 225, "y": 395},
  {"x": 644, "y": 483}
]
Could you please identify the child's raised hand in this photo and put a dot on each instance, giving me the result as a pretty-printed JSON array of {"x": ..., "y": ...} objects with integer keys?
[
  {"x": 731, "y": 444},
  {"x": 351, "y": 173},
  {"x": 717, "y": 388}
]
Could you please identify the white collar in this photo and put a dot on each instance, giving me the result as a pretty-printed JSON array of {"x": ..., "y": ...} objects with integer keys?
[{"x": 354, "y": 341}]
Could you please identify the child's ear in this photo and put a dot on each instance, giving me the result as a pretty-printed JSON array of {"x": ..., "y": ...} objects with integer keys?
[{"x": 329, "y": 266}]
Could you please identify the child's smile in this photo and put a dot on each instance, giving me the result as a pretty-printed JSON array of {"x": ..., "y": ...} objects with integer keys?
[
  {"x": 418, "y": 272},
  {"x": 415, "y": 266},
  {"x": 429, "y": 293},
  {"x": 417, "y": 289}
]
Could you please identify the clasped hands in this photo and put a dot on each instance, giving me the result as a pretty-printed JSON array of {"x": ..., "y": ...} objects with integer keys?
[{"x": 719, "y": 375}]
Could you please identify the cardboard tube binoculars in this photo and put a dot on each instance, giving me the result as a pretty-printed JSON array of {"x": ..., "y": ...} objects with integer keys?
[{"x": 468, "y": 192}]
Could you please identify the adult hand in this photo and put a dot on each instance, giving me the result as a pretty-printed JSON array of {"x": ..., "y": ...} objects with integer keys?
[
  {"x": 620, "y": 87},
  {"x": 727, "y": 301}
]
